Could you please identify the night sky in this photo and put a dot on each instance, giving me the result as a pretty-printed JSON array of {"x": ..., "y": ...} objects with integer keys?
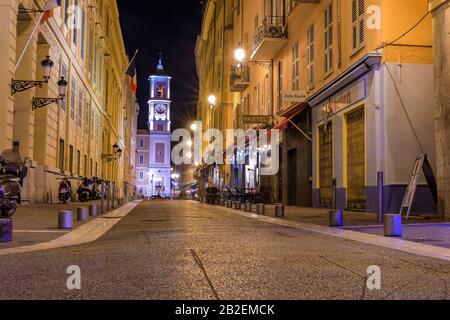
[{"x": 172, "y": 28}]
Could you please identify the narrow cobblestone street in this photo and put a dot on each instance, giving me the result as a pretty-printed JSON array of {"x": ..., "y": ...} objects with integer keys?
[{"x": 185, "y": 250}]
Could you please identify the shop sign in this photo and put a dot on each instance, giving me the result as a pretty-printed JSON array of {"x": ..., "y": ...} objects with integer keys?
[
  {"x": 248, "y": 119},
  {"x": 294, "y": 97},
  {"x": 346, "y": 98}
]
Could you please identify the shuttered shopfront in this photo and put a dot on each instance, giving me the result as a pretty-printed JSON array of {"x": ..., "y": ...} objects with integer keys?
[
  {"x": 356, "y": 159},
  {"x": 326, "y": 163}
]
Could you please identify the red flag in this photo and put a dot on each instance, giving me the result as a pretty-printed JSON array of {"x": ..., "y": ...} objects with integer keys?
[
  {"x": 48, "y": 9},
  {"x": 131, "y": 72}
]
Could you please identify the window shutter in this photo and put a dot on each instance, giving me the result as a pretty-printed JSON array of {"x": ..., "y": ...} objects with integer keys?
[
  {"x": 361, "y": 18},
  {"x": 310, "y": 51},
  {"x": 354, "y": 25},
  {"x": 328, "y": 38}
]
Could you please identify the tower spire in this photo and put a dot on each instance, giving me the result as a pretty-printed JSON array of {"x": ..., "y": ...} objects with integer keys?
[{"x": 160, "y": 61}]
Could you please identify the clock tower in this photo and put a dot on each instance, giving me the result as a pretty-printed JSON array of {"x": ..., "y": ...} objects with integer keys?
[{"x": 160, "y": 133}]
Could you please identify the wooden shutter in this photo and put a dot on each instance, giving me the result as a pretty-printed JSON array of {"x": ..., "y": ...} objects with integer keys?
[
  {"x": 326, "y": 164},
  {"x": 328, "y": 38},
  {"x": 356, "y": 159}
]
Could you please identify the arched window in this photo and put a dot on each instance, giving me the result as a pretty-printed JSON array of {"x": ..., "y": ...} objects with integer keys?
[{"x": 161, "y": 90}]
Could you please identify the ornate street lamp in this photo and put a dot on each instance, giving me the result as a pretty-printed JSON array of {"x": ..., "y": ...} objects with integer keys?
[
  {"x": 212, "y": 100},
  {"x": 23, "y": 85},
  {"x": 239, "y": 55},
  {"x": 42, "y": 102},
  {"x": 116, "y": 155}
]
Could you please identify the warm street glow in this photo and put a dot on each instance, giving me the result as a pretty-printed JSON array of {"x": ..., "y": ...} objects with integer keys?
[
  {"x": 212, "y": 100},
  {"x": 239, "y": 54}
]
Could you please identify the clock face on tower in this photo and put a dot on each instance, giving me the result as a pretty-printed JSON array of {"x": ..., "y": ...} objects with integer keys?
[{"x": 160, "y": 109}]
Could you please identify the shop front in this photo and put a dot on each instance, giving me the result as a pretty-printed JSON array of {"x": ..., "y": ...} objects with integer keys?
[{"x": 361, "y": 129}]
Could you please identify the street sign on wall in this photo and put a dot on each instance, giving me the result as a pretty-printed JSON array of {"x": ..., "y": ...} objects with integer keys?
[
  {"x": 249, "y": 119},
  {"x": 294, "y": 96}
]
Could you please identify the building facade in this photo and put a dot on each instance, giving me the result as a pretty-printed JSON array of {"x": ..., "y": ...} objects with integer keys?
[
  {"x": 342, "y": 92},
  {"x": 71, "y": 138},
  {"x": 441, "y": 26},
  {"x": 154, "y": 149}
]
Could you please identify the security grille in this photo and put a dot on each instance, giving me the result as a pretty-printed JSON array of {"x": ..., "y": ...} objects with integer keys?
[
  {"x": 356, "y": 160},
  {"x": 326, "y": 164}
]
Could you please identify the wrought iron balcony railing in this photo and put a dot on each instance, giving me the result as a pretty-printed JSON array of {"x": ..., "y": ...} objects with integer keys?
[
  {"x": 273, "y": 27},
  {"x": 239, "y": 78}
]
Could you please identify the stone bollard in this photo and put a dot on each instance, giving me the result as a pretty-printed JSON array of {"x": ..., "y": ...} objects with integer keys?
[
  {"x": 260, "y": 209},
  {"x": 336, "y": 218},
  {"x": 393, "y": 225},
  {"x": 93, "y": 210},
  {"x": 279, "y": 210},
  {"x": 248, "y": 207},
  {"x": 6, "y": 230},
  {"x": 65, "y": 220},
  {"x": 237, "y": 205},
  {"x": 82, "y": 214}
]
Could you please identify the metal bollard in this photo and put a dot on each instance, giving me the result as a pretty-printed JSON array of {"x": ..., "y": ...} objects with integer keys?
[
  {"x": 260, "y": 209},
  {"x": 108, "y": 198},
  {"x": 65, "y": 220},
  {"x": 237, "y": 205},
  {"x": 279, "y": 210},
  {"x": 6, "y": 230},
  {"x": 93, "y": 210},
  {"x": 248, "y": 207},
  {"x": 82, "y": 214},
  {"x": 113, "y": 196},
  {"x": 222, "y": 202},
  {"x": 336, "y": 218},
  {"x": 229, "y": 204},
  {"x": 102, "y": 198},
  {"x": 393, "y": 226},
  {"x": 380, "y": 198}
]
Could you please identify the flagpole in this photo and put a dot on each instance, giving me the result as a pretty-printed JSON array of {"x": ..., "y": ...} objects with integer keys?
[
  {"x": 27, "y": 44},
  {"x": 131, "y": 61}
]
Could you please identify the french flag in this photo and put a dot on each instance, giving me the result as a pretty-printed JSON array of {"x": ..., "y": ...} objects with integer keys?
[
  {"x": 131, "y": 72},
  {"x": 48, "y": 9}
]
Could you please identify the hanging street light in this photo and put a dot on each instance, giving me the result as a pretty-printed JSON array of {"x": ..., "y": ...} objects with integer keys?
[
  {"x": 239, "y": 55},
  {"x": 43, "y": 102},
  {"x": 23, "y": 85}
]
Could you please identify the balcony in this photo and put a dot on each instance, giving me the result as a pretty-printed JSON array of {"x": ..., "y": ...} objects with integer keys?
[
  {"x": 239, "y": 78},
  {"x": 269, "y": 39}
]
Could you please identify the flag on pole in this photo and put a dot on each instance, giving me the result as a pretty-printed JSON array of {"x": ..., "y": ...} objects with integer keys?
[
  {"x": 48, "y": 9},
  {"x": 131, "y": 72}
]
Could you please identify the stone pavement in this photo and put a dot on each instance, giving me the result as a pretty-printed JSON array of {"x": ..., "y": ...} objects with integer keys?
[
  {"x": 427, "y": 230},
  {"x": 38, "y": 223}
]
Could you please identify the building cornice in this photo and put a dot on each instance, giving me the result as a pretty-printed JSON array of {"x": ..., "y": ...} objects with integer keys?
[{"x": 435, "y": 4}]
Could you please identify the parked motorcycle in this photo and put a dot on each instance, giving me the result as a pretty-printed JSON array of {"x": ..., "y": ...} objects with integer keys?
[
  {"x": 86, "y": 190},
  {"x": 97, "y": 189},
  {"x": 65, "y": 191},
  {"x": 12, "y": 173}
]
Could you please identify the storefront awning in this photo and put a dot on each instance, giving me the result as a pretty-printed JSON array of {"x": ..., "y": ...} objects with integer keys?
[{"x": 289, "y": 115}]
